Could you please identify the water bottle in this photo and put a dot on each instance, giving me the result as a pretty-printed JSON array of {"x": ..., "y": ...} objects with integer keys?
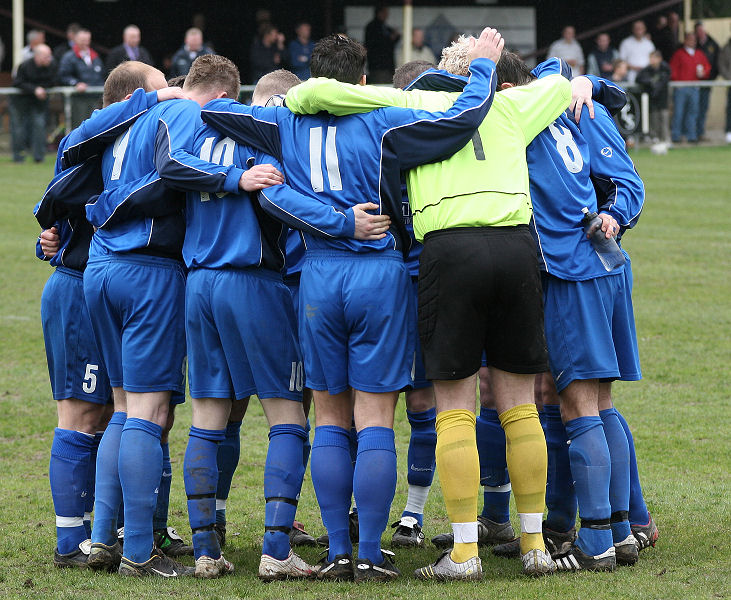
[{"x": 606, "y": 248}]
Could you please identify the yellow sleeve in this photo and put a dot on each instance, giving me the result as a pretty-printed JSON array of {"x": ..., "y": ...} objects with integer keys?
[
  {"x": 536, "y": 105},
  {"x": 322, "y": 94}
]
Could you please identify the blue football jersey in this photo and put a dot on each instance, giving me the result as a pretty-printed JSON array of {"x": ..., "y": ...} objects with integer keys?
[
  {"x": 153, "y": 157},
  {"x": 338, "y": 162},
  {"x": 229, "y": 229},
  {"x": 561, "y": 161},
  {"x": 77, "y": 177},
  {"x": 412, "y": 260}
]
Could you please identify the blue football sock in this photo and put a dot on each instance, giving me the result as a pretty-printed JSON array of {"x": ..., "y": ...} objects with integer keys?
[
  {"x": 160, "y": 518},
  {"x": 619, "y": 482},
  {"x": 638, "y": 513},
  {"x": 227, "y": 460},
  {"x": 422, "y": 444},
  {"x": 140, "y": 468},
  {"x": 493, "y": 466},
  {"x": 91, "y": 484},
  {"x": 283, "y": 475},
  {"x": 108, "y": 490},
  {"x": 374, "y": 485},
  {"x": 591, "y": 470},
  {"x": 307, "y": 447},
  {"x": 332, "y": 478},
  {"x": 67, "y": 473},
  {"x": 200, "y": 475},
  {"x": 560, "y": 494},
  {"x": 120, "y": 515}
]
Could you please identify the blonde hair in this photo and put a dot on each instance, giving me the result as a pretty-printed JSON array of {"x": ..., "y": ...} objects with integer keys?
[{"x": 454, "y": 57}]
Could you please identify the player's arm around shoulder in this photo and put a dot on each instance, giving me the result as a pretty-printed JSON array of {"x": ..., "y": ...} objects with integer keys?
[
  {"x": 322, "y": 94},
  {"x": 536, "y": 105}
]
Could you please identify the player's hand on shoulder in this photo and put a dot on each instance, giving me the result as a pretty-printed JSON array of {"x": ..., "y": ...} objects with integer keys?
[
  {"x": 259, "y": 177},
  {"x": 368, "y": 226},
  {"x": 489, "y": 45},
  {"x": 171, "y": 93},
  {"x": 609, "y": 226},
  {"x": 50, "y": 241},
  {"x": 581, "y": 90}
]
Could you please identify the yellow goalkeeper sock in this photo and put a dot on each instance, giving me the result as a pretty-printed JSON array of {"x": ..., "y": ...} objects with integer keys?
[
  {"x": 527, "y": 465},
  {"x": 458, "y": 465}
]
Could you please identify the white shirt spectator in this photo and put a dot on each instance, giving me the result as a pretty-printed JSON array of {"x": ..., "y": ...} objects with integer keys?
[
  {"x": 636, "y": 53},
  {"x": 571, "y": 52}
]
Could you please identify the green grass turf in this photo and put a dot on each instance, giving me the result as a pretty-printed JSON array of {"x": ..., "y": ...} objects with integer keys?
[{"x": 679, "y": 414}]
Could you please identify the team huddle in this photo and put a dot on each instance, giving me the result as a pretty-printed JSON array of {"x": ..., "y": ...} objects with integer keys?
[{"x": 336, "y": 243}]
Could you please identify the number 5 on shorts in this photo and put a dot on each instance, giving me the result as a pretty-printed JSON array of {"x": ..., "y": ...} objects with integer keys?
[{"x": 89, "y": 384}]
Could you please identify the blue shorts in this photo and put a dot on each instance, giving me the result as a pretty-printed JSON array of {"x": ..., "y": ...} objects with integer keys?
[
  {"x": 420, "y": 380},
  {"x": 355, "y": 318},
  {"x": 74, "y": 361},
  {"x": 241, "y": 332},
  {"x": 590, "y": 328},
  {"x": 294, "y": 290},
  {"x": 136, "y": 304}
]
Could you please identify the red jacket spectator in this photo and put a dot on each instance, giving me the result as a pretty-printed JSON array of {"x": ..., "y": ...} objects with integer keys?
[{"x": 684, "y": 66}]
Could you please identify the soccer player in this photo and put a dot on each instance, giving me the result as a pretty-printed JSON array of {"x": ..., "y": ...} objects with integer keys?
[
  {"x": 78, "y": 378},
  {"x": 134, "y": 258},
  {"x": 353, "y": 294},
  {"x": 474, "y": 203},
  {"x": 581, "y": 296}
]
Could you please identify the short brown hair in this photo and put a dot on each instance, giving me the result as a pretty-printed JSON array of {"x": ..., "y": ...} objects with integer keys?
[
  {"x": 405, "y": 74},
  {"x": 214, "y": 72},
  {"x": 125, "y": 79},
  {"x": 276, "y": 82},
  {"x": 338, "y": 57}
]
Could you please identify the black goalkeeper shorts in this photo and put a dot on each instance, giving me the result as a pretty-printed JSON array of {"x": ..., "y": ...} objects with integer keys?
[{"x": 480, "y": 289}]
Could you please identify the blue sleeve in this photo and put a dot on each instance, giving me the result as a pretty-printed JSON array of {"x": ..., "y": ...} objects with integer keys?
[
  {"x": 144, "y": 198},
  {"x": 553, "y": 66},
  {"x": 250, "y": 125},
  {"x": 39, "y": 252},
  {"x": 303, "y": 212},
  {"x": 607, "y": 93},
  {"x": 176, "y": 165},
  {"x": 620, "y": 191},
  {"x": 419, "y": 136},
  {"x": 68, "y": 192},
  {"x": 104, "y": 126}
]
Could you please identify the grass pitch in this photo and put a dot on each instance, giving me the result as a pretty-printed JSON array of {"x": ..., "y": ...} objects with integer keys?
[{"x": 679, "y": 413}]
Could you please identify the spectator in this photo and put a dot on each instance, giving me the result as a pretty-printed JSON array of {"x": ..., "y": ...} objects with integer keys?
[
  {"x": 267, "y": 51},
  {"x": 34, "y": 38},
  {"x": 380, "y": 41},
  {"x": 674, "y": 26},
  {"x": 636, "y": 50},
  {"x": 687, "y": 64},
  {"x": 419, "y": 50},
  {"x": 300, "y": 50},
  {"x": 653, "y": 80},
  {"x": 129, "y": 49},
  {"x": 29, "y": 110},
  {"x": 664, "y": 39},
  {"x": 602, "y": 57},
  {"x": 620, "y": 71},
  {"x": 82, "y": 67},
  {"x": 568, "y": 49},
  {"x": 724, "y": 66},
  {"x": 192, "y": 48},
  {"x": 2, "y": 52},
  {"x": 71, "y": 30},
  {"x": 711, "y": 49}
]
